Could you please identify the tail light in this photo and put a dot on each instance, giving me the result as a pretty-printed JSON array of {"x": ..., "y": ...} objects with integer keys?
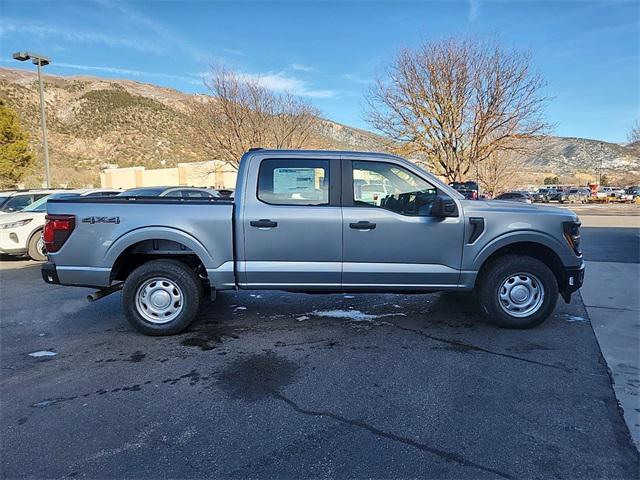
[
  {"x": 572, "y": 234},
  {"x": 57, "y": 230}
]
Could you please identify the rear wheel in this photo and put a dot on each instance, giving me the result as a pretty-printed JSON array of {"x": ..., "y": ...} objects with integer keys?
[
  {"x": 36, "y": 250},
  {"x": 518, "y": 291},
  {"x": 161, "y": 297}
]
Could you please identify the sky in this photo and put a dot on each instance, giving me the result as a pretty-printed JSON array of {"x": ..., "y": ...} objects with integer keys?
[{"x": 329, "y": 53}]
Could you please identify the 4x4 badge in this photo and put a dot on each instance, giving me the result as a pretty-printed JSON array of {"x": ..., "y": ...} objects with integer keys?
[{"x": 101, "y": 220}]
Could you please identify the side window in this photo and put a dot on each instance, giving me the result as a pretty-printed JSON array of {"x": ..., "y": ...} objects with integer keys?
[
  {"x": 389, "y": 186},
  {"x": 294, "y": 182}
]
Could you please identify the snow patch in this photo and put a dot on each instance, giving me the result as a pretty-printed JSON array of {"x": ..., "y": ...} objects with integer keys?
[
  {"x": 348, "y": 296},
  {"x": 42, "y": 353},
  {"x": 575, "y": 318},
  {"x": 353, "y": 315},
  {"x": 302, "y": 318}
]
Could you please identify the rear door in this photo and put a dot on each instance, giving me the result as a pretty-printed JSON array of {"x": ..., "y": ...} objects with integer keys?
[
  {"x": 292, "y": 224},
  {"x": 391, "y": 241}
]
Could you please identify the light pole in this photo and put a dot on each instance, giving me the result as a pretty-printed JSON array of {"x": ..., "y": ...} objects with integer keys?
[{"x": 40, "y": 61}]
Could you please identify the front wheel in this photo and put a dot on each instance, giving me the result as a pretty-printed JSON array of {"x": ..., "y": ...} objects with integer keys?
[
  {"x": 161, "y": 297},
  {"x": 518, "y": 291}
]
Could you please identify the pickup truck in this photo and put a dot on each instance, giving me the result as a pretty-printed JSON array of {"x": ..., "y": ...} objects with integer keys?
[{"x": 301, "y": 221}]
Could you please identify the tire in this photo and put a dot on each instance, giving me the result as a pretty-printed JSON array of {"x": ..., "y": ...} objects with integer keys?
[
  {"x": 35, "y": 249},
  {"x": 161, "y": 297},
  {"x": 502, "y": 296}
]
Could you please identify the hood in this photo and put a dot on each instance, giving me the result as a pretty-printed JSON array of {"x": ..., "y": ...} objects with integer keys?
[
  {"x": 473, "y": 207},
  {"x": 17, "y": 216}
]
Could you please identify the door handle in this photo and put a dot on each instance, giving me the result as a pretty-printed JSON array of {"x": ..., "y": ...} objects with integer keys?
[
  {"x": 362, "y": 225},
  {"x": 263, "y": 223}
]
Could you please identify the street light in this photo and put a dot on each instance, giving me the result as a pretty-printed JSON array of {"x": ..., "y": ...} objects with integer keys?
[{"x": 40, "y": 61}]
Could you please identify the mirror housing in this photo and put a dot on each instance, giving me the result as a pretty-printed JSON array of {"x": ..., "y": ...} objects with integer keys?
[{"x": 444, "y": 206}]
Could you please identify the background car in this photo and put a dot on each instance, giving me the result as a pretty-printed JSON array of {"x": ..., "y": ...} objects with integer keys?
[
  {"x": 559, "y": 195},
  {"x": 15, "y": 200},
  {"x": 184, "y": 192},
  {"x": 469, "y": 189},
  {"x": 578, "y": 195},
  {"x": 542, "y": 195},
  {"x": 523, "y": 197},
  {"x": 21, "y": 232}
]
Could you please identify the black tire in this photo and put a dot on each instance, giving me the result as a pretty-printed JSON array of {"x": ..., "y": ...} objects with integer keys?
[
  {"x": 176, "y": 272},
  {"x": 34, "y": 251},
  {"x": 498, "y": 272}
]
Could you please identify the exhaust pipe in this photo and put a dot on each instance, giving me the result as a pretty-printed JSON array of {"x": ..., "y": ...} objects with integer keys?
[{"x": 103, "y": 292}]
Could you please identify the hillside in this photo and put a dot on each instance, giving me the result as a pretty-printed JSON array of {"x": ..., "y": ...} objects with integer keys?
[{"x": 94, "y": 122}]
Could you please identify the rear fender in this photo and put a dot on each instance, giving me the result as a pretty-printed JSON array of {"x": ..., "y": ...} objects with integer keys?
[{"x": 158, "y": 233}]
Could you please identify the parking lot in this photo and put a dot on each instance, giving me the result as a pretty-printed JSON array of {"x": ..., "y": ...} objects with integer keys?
[{"x": 271, "y": 384}]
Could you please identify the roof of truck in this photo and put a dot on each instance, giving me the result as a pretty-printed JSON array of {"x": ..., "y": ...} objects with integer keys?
[{"x": 309, "y": 153}]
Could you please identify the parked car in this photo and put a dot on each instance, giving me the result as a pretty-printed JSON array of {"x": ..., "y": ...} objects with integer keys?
[
  {"x": 542, "y": 195},
  {"x": 296, "y": 224},
  {"x": 522, "y": 197},
  {"x": 184, "y": 192},
  {"x": 15, "y": 200},
  {"x": 468, "y": 189},
  {"x": 578, "y": 195},
  {"x": 633, "y": 192},
  {"x": 21, "y": 232}
]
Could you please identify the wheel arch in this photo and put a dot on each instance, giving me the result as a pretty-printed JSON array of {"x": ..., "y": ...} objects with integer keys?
[
  {"x": 537, "y": 250},
  {"x": 141, "y": 246}
]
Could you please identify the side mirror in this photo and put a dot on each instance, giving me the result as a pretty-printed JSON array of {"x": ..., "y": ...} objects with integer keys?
[{"x": 444, "y": 206}]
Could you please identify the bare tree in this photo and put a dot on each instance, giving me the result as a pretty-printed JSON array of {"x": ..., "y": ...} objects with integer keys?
[
  {"x": 634, "y": 133},
  {"x": 243, "y": 114},
  {"x": 500, "y": 172},
  {"x": 457, "y": 102}
]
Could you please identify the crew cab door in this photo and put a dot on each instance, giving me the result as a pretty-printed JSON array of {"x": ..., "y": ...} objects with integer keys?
[
  {"x": 292, "y": 224},
  {"x": 390, "y": 239}
]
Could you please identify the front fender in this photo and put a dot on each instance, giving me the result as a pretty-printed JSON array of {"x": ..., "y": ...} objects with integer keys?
[
  {"x": 157, "y": 233},
  {"x": 566, "y": 255}
]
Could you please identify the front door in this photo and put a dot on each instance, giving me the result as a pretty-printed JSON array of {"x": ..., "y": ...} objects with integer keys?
[
  {"x": 293, "y": 225},
  {"x": 390, "y": 239}
]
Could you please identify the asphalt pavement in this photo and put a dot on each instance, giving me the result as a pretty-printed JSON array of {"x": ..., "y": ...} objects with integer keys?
[{"x": 270, "y": 384}]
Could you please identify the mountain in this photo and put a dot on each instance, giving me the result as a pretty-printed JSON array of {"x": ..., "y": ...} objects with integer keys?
[{"x": 94, "y": 122}]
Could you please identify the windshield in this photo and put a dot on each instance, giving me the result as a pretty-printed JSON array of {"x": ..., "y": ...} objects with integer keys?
[
  {"x": 142, "y": 192},
  {"x": 41, "y": 205}
]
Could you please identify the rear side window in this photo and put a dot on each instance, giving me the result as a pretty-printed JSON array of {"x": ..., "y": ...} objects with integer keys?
[{"x": 294, "y": 182}]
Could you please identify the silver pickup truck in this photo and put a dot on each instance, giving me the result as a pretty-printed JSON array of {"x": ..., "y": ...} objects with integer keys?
[{"x": 309, "y": 221}]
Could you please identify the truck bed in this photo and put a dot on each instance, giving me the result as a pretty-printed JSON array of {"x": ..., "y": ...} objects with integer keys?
[{"x": 106, "y": 227}]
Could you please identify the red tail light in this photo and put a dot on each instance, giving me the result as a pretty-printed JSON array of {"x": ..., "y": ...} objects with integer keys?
[{"x": 56, "y": 231}]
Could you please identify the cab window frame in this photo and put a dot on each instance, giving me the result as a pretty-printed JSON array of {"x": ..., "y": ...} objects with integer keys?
[{"x": 348, "y": 199}]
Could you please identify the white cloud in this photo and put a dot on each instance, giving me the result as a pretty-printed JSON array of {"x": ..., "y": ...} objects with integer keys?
[
  {"x": 302, "y": 67},
  {"x": 474, "y": 11},
  {"x": 37, "y": 29},
  {"x": 282, "y": 83},
  {"x": 357, "y": 79},
  {"x": 129, "y": 72}
]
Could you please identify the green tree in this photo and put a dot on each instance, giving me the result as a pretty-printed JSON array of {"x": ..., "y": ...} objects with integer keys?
[
  {"x": 551, "y": 181},
  {"x": 15, "y": 156}
]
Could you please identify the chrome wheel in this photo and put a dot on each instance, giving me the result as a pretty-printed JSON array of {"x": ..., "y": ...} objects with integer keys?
[
  {"x": 521, "y": 295},
  {"x": 159, "y": 300},
  {"x": 40, "y": 246}
]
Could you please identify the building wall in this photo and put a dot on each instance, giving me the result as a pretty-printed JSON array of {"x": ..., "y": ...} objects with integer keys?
[{"x": 213, "y": 174}]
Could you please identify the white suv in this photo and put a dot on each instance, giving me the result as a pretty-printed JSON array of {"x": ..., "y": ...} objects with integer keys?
[{"x": 15, "y": 200}]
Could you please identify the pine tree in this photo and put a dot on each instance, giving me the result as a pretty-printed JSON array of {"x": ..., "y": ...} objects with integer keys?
[{"x": 15, "y": 155}]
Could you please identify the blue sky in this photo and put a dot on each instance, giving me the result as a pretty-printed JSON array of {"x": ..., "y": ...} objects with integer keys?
[{"x": 329, "y": 52}]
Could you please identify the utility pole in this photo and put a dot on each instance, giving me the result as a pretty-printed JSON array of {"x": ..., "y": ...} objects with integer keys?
[{"x": 40, "y": 61}]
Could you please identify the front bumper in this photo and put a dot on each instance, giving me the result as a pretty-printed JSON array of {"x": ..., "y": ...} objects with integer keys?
[
  {"x": 572, "y": 280},
  {"x": 11, "y": 242}
]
